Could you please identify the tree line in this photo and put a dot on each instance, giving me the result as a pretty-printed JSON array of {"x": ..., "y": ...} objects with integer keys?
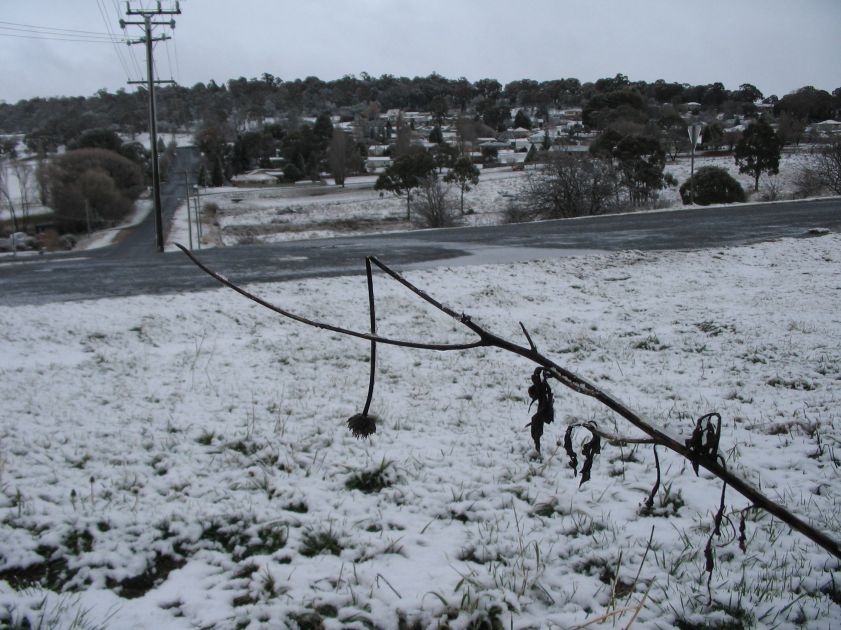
[{"x": 249, "y": 123}]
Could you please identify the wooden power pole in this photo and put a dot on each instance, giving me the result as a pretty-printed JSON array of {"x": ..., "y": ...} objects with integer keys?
[{"x": 147, "y": 23}]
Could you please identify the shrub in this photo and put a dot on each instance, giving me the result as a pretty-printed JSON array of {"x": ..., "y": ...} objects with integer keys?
[
  {"x": 712, "y": 184},
  {"x": 571, "y": 186},
  {"x": 432, "y": 205},
  {"x": 93, "y": 185}
]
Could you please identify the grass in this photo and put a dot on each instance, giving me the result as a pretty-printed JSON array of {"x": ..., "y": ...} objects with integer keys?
[
  {"x": 320, "y": 542},
  {"x": 372, "y": 480}
]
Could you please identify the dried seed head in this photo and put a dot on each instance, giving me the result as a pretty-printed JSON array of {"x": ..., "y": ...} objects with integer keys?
[{"x": 362, "y": 425}]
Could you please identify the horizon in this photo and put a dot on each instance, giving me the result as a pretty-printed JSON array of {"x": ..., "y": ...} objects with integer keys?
[
  {"x": 224, "y": 83},
  {"x": 772, "y": 44}
]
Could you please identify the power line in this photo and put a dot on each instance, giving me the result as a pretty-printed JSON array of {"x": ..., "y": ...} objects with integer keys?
[
  {"x": 63, "y": 39},
  {"x": 50, "y": 28},
  {"x": 132, "y": 57},
  {"x": 120, "y": 57}
]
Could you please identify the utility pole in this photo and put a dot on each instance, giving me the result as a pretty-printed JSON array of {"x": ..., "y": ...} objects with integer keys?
[{"x": 147, "y": 24}]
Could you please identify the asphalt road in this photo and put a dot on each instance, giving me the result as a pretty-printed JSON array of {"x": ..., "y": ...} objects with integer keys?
[{"x": 134, "y": 267}]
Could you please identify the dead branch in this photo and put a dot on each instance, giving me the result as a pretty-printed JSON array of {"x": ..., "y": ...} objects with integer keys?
[{"x": 699, "y": 457}]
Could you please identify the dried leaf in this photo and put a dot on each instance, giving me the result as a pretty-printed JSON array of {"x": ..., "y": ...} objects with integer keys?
[
  {"x": 573, "y": 458},
  {"x": 589, "y": 450},
  {"x": 705, "y": 439},
  {"x": 540, "y": 392}
]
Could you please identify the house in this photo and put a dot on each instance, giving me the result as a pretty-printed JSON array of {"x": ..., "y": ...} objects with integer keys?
[
  {"x": 257, "y": 179},
  {"x": 510, "y": 157},
  {"x": 828, "y": 127},
  {"x": 375, "y": 164}
]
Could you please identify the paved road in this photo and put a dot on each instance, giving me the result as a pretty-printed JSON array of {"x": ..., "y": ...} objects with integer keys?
[{"x": 129, "y": 271}]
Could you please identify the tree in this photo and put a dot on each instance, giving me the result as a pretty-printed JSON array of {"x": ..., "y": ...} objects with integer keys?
[
  {"x": 712, "y": 184},
  {"x": 432, "y": 205},
  {"x": 405, "y": 175},
  {"x": 758, "y": 151},
  {"x": 807, "y": 103},
  {"x": 444, "y": 155},
  {"x": 828, "y": 166},
  {"x": 465, "y": 174},
  {"x": 435, "y": 135},
  {"x": 23, "y": 172},
  {"x": 571, "y": 185},
  {"x": 672, "y": 133},
  {"x": 522, "y": 120},
  {"x": 338, "y": 156},
  {"x": 212, "y": 141},
  {"x": 438, "y": 108},
  {"x": 404, "y": 137},
  {"x": 5, "y": 193},
  {"x": 97, "y": 139},
  {"x": 93, "y": 185},
  {"x": 641, "y": 162},
  {"x": 789, "y": 129}
]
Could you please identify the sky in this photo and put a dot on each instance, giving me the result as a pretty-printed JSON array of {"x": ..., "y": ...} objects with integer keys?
[{"x": 777, "y": 45}]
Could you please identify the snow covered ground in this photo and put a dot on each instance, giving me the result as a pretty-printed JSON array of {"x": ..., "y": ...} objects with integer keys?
[
  {"x": 270, "y": 215},
  {"x": 184, "y": 462}
]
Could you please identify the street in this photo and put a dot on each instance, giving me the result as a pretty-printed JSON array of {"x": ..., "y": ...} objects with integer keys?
[{"x": 133, "y": 266}]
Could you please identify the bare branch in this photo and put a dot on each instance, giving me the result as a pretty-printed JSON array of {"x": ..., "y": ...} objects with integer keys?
[
  {"x": 373, "y": 366},
  {"x": 703, "y": 458},
  {"x": 322, "y": 325}
]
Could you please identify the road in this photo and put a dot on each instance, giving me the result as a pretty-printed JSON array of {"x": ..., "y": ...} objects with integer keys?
[{"x": 134, "y": 267}]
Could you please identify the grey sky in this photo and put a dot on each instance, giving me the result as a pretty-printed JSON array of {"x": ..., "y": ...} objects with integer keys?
[{"x": 778, "y": 45}]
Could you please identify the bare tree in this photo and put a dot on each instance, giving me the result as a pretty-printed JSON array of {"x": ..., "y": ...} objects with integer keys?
[
  {"x": 23, "y": 171},
  {"x": 828, "y": 166},
  {"x": 404, "y": 137},
  {"x": 432, "y": 204},
  {"x": 571, "y": 186},
  {"x": 5, "y": 195}
]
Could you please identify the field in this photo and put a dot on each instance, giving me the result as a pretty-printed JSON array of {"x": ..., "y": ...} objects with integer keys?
[
  {"x": 184, "y": 462},
  {"x": 272, "y": 215}
]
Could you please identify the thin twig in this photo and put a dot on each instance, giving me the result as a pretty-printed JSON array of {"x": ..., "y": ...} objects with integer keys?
[
  {"x": 649, "y": 502},
  {"x": 315, "y": 324},
  {"x": 528, "y": 336},
  {"x": 373, "y": 365}
]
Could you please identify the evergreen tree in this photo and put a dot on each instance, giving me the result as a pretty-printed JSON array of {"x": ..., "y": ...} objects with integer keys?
[
  {"x": 406, "y": 174},
  {"x": 465, "y": 174},
  {"x": 522, "y": 120},
  {"x": 758, "y": 151}
]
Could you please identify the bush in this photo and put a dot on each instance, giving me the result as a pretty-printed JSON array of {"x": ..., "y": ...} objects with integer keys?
[
  {"x": 93, "y": 184},
  {"x": 292, "y": 173},
  {"x": 712, "y": 184},
  {"x": 571, "y": 186},
  {"x": 432, "y": 205}
]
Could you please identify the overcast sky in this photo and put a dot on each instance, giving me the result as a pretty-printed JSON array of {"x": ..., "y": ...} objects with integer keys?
[{"x": 778, "y": 45}]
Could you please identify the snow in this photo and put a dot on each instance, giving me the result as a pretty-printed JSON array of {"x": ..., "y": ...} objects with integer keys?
[
  {"x": 185, "y": 451},
  {"x": 277, "y": 214}
]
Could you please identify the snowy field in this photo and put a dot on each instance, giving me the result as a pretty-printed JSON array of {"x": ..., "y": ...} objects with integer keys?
[
  {"x": 271, "y": 215},
  {"x": 184, "y": 462}
]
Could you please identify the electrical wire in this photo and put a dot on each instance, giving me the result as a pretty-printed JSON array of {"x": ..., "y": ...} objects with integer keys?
[
  {"x": 131, "y": 55},
  {"x": 117, "y": 49},
  {"x": 61, "y": 39},
  {"x": 51, "y": 30}
]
